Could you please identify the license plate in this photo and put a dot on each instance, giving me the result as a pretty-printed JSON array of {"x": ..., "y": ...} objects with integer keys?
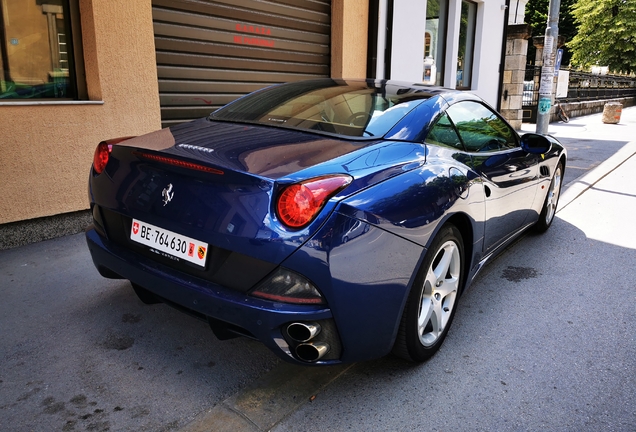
[{"x": 168, "y": 242}]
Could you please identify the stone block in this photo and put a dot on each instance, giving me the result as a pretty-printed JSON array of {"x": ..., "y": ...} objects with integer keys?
[
  {"x": 512, "y": 114},
  {"x": 518, "y": 76},
  {"x": 520, "y": 47},
  {"x": 612, "y": 112},
  {"x": 507, "y": 77},
  {"x": 516, "y": 124},
  {"x": 516, "y": 62},
  {"x": 519, "y": 31},
  {"x": 510, "y": 47},
  {"x": 515, "y": 102},
  {"x": 512, "y": 89}
]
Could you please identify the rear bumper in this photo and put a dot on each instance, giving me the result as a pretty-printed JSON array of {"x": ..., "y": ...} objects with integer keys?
[
  {"x": 260, "y": 318},
  {"x": 365, "y": 277}
]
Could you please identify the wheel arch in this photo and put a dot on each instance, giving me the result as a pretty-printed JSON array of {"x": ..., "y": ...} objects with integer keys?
[
  {"x": 463, "y": 224},
  {"x": 563, "y": 162}
]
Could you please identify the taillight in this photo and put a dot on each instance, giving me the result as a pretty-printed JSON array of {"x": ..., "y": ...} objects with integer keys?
[
  {"x": 299, "y": 203},
  {"x": 102, "y": 153}
]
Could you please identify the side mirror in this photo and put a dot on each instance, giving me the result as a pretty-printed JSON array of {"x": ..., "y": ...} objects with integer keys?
[{"x": 535, "y": 143}]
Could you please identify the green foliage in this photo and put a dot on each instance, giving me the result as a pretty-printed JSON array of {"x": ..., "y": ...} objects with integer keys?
[
  {"x": 606, "y": 34},
  {"x": 537, "y": 16}
]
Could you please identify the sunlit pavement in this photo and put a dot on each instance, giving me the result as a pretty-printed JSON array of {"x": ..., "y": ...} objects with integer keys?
[
  {"x": 591, "y": 127},
  {"x": 603, "y": 204}
]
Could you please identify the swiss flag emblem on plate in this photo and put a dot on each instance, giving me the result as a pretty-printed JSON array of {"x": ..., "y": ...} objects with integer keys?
[{"x": 136, "y": 227}]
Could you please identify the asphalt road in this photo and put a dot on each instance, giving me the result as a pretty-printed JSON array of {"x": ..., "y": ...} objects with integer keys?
[
  {"x": 79, "y": 352},
  {"x": 543, "y": 340}
]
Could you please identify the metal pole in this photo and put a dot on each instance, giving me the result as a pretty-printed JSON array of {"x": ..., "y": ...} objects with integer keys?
[{"x": 547, "y": 70}]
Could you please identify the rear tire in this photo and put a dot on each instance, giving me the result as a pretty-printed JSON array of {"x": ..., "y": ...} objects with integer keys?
[
  {"x": 144, "y": 295},
  {"x": 432, "y": 302}
]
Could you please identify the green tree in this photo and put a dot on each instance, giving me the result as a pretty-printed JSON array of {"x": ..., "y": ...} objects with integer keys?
[
  {"x": 537, "y": 16},
  {"x": 606, "y": 34}
]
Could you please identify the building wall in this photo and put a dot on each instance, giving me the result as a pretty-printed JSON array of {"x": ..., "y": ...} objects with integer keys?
[
  {"x": 349, "y": 36},
  {"x": 47, "y": 148},
  {"x": 409, "y": 17},
  {"x": 488, "y": 46},
  {"x": 407, "y": 47}
]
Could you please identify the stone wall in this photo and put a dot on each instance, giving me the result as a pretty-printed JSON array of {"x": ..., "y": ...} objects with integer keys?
[
  {"x": 578, "y": 109},
  {"x": 514, "y": 72}
]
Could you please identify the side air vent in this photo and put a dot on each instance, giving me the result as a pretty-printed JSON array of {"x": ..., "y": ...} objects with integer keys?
[{"x": 545, "y": 171}]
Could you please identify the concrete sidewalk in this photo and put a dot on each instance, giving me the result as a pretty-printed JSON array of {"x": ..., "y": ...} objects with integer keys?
[
  {"x": 599, "y": 200},
  {"x": 603, "y": 203},
  {"x": 590, "y": 142},
  {"x": 592, "y": 127}
]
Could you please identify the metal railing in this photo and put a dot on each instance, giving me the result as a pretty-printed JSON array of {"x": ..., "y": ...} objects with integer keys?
[{"x": 582, "y": 86}]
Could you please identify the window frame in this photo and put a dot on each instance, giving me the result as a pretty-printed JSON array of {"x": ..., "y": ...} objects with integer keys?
[
  {"x": 76, "y": 84},
  {"x": 440, "y": 45},
  {"x": 469, "y": 50},
  {"x": 507, "y": 148}
]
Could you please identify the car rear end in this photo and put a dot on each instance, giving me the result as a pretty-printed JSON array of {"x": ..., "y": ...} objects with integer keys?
[
  {"x": 203, "y": 236},
  {"x": 238, "y": 224}
]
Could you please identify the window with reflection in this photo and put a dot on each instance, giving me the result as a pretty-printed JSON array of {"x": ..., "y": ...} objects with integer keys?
[
  {"x": 480, "y": 128},
  {"x": 444, "y": 133},
  {"x": 466, "y": 44},
  {"x": 36, "y": 50},
  {"x": 434, "y": 41},
  {"x": 356, "y": 109}
]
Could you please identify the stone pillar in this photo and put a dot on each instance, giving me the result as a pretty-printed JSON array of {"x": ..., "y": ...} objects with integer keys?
[
  {"x": 514, "y": 73},
  {"x": 538, "y": 42}
]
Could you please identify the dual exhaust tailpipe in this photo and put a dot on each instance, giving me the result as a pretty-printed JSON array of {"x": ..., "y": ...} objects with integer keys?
[{"x": 303, "y": 333}]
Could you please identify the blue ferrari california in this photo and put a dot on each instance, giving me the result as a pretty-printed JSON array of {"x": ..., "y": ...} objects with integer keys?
[{"x": 334, "y": 221}]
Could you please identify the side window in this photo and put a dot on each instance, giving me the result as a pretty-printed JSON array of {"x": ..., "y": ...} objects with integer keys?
[
  {"x": 444, "y": 133},
  {"x": 480, "y": 128}
]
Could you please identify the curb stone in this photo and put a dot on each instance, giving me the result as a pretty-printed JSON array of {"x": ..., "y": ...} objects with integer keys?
[{"x": 268, "y": 400}]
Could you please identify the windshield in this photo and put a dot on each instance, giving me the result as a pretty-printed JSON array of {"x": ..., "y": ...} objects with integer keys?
[{"x": 362, "y": 109}]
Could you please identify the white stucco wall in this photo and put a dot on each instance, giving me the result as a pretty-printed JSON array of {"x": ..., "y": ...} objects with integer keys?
[
  {"x": 407, "y": 46},
  {"x": 488, "y": 44}
]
